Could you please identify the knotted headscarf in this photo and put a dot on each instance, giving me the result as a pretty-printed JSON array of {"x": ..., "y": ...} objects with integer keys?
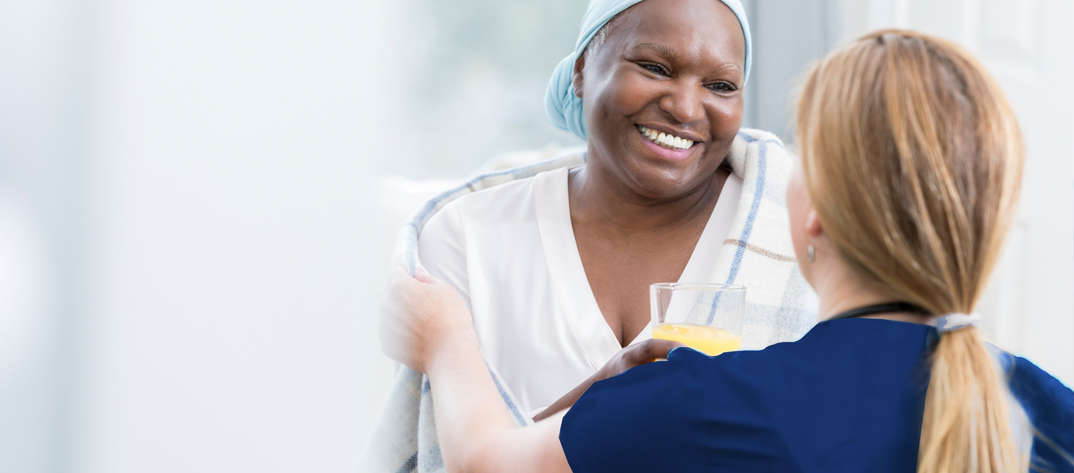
[{"x": 563, "y": 107}]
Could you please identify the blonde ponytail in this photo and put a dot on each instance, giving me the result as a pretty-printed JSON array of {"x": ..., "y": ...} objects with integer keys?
[
  {"x": 967, "y": 422},
  {"x": 913, "y": 160}
]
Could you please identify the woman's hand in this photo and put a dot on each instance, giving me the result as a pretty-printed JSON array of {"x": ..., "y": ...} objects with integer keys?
[
  {"x": 635, "y": 355},
  {"x": 627, "y": 358},
  {"x": 419, "y": 317}
]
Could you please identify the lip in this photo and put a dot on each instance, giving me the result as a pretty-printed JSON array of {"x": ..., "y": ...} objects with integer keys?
[
  {"x": 665, "y": 129},
  {"x": 666, "y": 153}
]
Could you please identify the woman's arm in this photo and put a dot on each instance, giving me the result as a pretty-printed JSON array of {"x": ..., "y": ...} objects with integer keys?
[
  {"x": 425, "y": 325},
  {"x": 475, "y": 430}
]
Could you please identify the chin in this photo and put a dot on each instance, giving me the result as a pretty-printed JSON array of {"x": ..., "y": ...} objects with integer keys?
[
  {"x": 661, "y": 185},
  {"x": 668, "y": 181}
]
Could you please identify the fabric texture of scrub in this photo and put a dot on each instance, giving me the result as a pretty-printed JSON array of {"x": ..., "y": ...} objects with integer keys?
[{"x": 849, "y": 396}]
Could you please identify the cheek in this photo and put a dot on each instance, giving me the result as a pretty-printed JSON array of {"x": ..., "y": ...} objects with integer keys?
[
  {"x": 624, "y": 93},
  {"x": 631, "y": 99},
  {"x": 725, "y": 119},
  {"x": 726, "y": 116},
  {"x": 616, "y": 98}
]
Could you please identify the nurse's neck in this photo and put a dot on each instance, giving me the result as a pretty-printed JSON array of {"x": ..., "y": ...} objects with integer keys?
[{"x": 840, "y": 290}]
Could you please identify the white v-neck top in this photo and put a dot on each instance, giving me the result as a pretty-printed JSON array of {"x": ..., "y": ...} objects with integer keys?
[{"x": 511, "y": 254}]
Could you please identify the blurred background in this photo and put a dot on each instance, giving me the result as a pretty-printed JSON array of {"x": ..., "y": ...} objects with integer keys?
[{"x": 197, "y": 199}]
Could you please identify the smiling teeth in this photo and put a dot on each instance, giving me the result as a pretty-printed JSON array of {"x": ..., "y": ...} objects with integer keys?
[{"x": 664, "y": 139}]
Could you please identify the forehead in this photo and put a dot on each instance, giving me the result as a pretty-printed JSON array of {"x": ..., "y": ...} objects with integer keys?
[{"x": 699, "y": 29}]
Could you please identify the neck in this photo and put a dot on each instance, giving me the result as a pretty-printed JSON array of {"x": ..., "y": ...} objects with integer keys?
[
  {"x": 595, "y": 195},
  {"x": 840, "y": 291}
]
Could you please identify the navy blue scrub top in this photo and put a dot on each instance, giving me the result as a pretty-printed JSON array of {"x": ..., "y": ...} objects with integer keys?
[{"x": 849, "y": 396}]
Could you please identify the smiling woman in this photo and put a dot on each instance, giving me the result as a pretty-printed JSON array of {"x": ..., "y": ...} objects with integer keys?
[
  {"x": 556, "y": 267},
  {"x": 639, "y": 206},
  {"x": 673, "y": 69}
]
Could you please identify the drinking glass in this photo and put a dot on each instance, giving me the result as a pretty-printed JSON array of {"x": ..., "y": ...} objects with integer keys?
[{"x": 706, "y": 317}]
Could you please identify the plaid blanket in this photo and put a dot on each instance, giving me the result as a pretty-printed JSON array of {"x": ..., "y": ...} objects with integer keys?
[{"x": 757, "y": 253}]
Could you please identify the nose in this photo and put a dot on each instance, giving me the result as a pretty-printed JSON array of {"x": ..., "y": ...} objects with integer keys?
[{"x": 683, "y": 102}]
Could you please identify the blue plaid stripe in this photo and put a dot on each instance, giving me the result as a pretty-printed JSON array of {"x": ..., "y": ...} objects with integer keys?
[{"x": 762, "y": 162}]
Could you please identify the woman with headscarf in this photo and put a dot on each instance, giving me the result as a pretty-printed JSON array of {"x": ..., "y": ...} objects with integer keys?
[
  {"x": 911, "y": 164},
  {"x": 556, "y": 268}
]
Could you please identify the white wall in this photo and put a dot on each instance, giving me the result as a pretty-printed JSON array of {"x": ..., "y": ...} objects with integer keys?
[
  {"x": 190, "y": 243},
  {"x": 188, "y": 215},
  {"x": 41, "y": 101},
  {"x": 189, "y": 259},
  {"x": 234, "y": 261}
]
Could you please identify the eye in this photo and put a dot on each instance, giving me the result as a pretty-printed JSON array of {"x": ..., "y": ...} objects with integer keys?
[
  {"x": 722, "y": 87},
  {"x": 655, "y": 68}
]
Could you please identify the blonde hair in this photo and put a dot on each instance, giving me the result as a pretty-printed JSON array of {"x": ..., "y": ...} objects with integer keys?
[{"x": 913, "y": 160}]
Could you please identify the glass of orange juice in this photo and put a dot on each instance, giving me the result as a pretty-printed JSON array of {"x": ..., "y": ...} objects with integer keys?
[{"x": 706, "y": 317}]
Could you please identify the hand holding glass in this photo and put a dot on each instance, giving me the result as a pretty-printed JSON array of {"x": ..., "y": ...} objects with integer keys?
[{"x": 706, "y": 317}]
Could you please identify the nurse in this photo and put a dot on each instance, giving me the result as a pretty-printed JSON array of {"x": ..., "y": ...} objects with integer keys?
[
  {"x": 910, "y": 172},
  {"x": 556, "y": 268}
]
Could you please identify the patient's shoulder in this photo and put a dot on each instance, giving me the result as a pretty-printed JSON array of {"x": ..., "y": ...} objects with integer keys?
[
  {"x": 497, "y": 210},
  {"x": 503, "y": 204},
  {"x": 499, "y": 198}
]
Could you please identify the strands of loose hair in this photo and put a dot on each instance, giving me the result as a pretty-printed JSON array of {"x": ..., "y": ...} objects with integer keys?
[{"x": 913, "y": 159}]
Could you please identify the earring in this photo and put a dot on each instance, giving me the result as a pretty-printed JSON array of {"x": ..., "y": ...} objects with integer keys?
[{"x": 811, "y": 255}]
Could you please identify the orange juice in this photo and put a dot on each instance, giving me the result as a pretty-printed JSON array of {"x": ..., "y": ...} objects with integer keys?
[{"x": 708, "y": 340}]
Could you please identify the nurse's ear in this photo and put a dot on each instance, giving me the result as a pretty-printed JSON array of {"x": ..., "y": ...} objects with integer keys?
[
  {"x": 577, "y": 76},
  {"x": 813, "y": 227},
  {"x": 818, "y": 240}
]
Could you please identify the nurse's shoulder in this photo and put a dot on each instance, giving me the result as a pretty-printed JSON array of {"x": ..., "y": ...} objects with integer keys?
[{"x": 1049, "y": 407}]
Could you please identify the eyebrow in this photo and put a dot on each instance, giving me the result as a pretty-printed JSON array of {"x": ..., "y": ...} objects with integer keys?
[
  {"x": 672, "y": 56},
  {"x": 660, "y": 49}
]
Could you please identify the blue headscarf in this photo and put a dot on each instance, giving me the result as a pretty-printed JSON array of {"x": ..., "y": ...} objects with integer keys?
[{"x": 563, "y": 107}]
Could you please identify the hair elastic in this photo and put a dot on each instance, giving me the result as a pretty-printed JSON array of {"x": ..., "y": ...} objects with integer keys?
[{"x": 954, "y": 321}]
